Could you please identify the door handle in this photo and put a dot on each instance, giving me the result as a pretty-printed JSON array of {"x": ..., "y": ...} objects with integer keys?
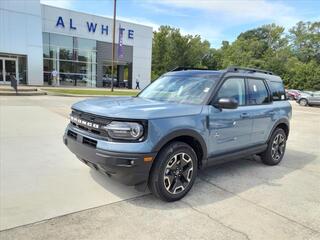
[{"x": 244, "y": 115}]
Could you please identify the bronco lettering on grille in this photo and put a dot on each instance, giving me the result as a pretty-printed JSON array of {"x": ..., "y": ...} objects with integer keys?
[{"x": 84, "y": 122}]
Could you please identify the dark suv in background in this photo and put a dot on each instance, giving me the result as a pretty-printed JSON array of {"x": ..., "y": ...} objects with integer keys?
[{"x": 186, "y": 120}]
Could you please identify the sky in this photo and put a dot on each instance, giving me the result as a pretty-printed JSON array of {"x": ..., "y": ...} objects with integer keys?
[{"x": 213, "y": 20}]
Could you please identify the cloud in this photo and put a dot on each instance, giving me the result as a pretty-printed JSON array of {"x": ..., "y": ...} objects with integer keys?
[
  {"x": 239, "y": 10},
  {"x": 160, "y": 10},
  {"x": 59, "y": 3}
]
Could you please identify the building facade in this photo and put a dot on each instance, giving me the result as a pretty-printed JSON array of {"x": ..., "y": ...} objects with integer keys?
[{"x": 37, "y": 39}]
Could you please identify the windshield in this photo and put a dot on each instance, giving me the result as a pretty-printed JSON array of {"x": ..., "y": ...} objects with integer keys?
[{"x": 180, "y": 89}]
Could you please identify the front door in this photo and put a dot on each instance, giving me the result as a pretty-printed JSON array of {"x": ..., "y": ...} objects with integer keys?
[
  {"x": 8, "y": 67},
  {"x": 315, "y": 99},
  {"x": 230, "y": 129}
]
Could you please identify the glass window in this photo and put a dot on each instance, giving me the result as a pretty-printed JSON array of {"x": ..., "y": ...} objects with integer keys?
[
  {"x": 94, "y": 57},
  {"x": 53, "y": 52},
  {"x": 257, "y": 92},
  {"x": 66, "y": 67},
  {"x": 46, "y": 51},
  {"x": 61, "y": 40},
  {"x": 180, "y": 89},
  {"x": 277, "y": 91},
  {"x": 22, "y": 60},
  {"x": 233, "y": 88},
  {"x": 47, "y": 78},
  {"x": 46, "y": 44},
  {"x": 49, "y": 65},
  {"x": 66, "y": 54},
  {"x": 85, "y": 44},
  {"x": 67, "y": 79},
  {"x": 77, "y": 59},
  {"x": 83, "y": 55}
]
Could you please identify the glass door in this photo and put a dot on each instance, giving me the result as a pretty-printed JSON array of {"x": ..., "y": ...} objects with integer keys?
[
  {"x": 8, "y": 67},
  {"x": 1, "y": 71}
]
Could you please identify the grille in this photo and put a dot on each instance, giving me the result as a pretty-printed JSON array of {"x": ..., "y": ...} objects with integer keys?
[
  {"x": 89, "y": 123},
  {"x": 90, "y": 142},
  {"x": 72, "y": 134}
]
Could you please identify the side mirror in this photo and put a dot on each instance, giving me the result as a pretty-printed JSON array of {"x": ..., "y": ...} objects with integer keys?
[{"x": 226, "y": 103}]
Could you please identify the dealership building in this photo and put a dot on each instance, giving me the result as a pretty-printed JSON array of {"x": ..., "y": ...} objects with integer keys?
[{"x": 37, "y": 39}]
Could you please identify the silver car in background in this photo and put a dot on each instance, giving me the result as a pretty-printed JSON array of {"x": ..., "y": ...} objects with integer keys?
[{"x": 309, "y": 98}]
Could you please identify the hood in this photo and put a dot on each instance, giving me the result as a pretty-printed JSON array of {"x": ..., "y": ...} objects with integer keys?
[
  {"x": 135, "y": 108},
  {"x": 304, "y": 94}
]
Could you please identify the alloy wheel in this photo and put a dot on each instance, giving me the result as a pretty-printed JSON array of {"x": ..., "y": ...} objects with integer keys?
[
  {"x": 178, "y": 173},
  {"x": 278, "y": 146}
]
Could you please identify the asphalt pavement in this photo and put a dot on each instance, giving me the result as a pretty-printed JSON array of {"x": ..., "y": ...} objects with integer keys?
[{"x": 46, "y": 193}]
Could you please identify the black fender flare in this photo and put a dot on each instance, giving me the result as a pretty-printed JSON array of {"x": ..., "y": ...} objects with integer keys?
[
  {"x": 280, "y": 121},
  {"x": 183, "y": 133}
]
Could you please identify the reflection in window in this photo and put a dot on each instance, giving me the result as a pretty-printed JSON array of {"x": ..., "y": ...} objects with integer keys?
[
  {"x": 258, "y": 93},
  {"x": 74, "y": 58},
  {"x": 277, "y": 90},
  {"x": 66, "y": 54},
  {"x": 61, "y": 40},
  {"x": 233, "y": 88}
]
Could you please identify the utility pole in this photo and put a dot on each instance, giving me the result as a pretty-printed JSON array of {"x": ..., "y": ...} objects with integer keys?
[{"x": 113, "y": 40}]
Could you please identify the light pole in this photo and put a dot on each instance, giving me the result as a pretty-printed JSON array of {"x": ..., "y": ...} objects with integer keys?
[{"x": 113, "y": 40}]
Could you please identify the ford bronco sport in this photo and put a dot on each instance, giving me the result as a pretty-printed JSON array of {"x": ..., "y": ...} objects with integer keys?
[{"x": 186, "y": 120}]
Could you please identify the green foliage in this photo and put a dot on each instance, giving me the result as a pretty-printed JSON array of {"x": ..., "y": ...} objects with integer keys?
[
  {"x": 171, "y": 49},
  {"x": 295, "y": 56}
]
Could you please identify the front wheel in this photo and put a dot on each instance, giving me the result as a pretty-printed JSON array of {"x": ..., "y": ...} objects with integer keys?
[
  {"x": 276, "y": 148},
  {"x": 303, "y": 102},
  {"x": 173, "y": 172}
]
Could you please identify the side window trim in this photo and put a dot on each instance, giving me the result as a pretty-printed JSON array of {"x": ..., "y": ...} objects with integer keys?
[{"x": 247, "y": 78}]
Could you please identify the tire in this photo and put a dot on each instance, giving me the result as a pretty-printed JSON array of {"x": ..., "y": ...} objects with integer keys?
[
  {"x": 174, "y": 171},
  {"x": 276, "y": 148},
  {"x": 303, "y": 102}
]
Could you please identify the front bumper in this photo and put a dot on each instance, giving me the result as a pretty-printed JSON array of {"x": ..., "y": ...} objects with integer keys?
[{"x": 128, "y": 168}]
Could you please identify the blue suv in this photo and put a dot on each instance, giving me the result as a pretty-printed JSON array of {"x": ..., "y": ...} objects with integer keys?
[{"x": 186, "y": 120}]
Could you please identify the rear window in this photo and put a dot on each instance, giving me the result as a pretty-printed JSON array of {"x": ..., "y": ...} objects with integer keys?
[{"x": 277, "y": 91}]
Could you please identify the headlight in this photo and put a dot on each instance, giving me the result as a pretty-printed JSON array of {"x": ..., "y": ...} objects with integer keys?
[{"x": 124, "y": 130}]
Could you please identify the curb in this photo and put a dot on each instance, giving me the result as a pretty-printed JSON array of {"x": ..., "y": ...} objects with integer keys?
[
  {"x": 22, "y": 93},
  {"x": 80, "y": 95}
]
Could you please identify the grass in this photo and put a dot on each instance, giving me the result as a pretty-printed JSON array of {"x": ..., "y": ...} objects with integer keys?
[{"x": 105, "y": 92}]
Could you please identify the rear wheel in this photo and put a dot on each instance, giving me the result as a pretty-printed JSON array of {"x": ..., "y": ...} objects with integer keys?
[
  {"x": 174, "y": 172},
  {"x": 276, "y": 148},
  {"x": 303, "y": 102}
]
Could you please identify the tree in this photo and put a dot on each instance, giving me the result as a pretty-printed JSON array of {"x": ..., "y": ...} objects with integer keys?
[
  {"x": 305, "y": 41},
  {"x": 295, "y": 57},
  {"x": 172, "y": 49}
]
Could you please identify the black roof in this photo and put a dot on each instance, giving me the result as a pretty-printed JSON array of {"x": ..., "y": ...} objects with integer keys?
[
  {"x": 229, "y": 69},
  {"x": 233, "y": 69}
]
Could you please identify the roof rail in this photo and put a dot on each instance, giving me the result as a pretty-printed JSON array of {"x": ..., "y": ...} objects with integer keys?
[
  {"x": 236, "y": 68},
  {"x": 186, "y": 68}
]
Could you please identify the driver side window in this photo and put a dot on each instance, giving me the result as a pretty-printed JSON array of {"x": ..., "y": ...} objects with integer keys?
[{"x": 233, "y": 88}]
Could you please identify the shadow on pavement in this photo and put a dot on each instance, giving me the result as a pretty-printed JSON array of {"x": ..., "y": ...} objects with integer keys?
[{"x": 225, "y": 180}]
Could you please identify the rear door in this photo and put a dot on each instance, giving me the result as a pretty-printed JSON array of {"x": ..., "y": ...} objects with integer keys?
[
  {"x": 262, "y": 110},
  {"x": 230, "y": 129}
]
